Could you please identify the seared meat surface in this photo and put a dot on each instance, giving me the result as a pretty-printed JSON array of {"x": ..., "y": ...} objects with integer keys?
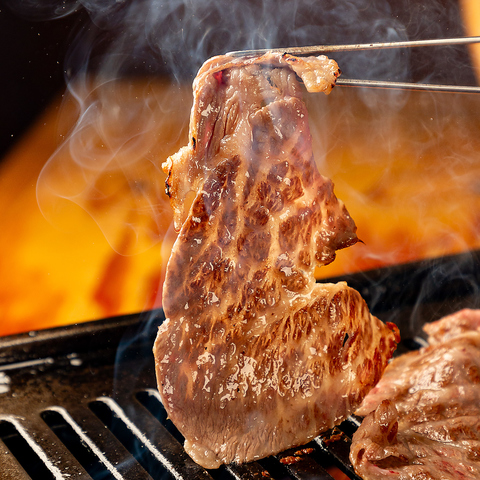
[
  {"x": 463, "y": 321},
  {"x": 254, "y": 356},
  {"x": 425, "y": 411}
]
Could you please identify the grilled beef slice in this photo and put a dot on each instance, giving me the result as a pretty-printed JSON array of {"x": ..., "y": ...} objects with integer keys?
[
  {"x": 423, "y": 417},
  {"x": 254, "y": 356}
]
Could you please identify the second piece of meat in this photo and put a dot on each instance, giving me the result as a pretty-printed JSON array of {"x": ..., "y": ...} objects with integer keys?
[{"x": 423, "y": 417}]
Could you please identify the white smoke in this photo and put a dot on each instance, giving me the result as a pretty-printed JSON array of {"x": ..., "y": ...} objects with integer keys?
[{"x": 112, "y": 155}]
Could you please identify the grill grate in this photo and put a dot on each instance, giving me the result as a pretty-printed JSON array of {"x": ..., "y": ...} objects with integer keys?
[{"x": 80, "y": 401}]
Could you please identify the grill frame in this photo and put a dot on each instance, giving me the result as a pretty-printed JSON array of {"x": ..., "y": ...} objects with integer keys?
[{"x": 93, "y": 385}]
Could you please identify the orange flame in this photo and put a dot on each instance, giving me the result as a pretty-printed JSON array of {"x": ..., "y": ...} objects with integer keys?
[{"x": 409, "y": 176}]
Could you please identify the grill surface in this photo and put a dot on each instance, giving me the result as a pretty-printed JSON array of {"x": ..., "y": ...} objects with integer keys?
[{"x": 80, "y": 401}]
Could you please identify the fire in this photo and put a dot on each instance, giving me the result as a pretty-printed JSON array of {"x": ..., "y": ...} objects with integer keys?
[
  {"x": 409, "y": 176},
  {"x": 470, "y": 10},
  {"x": 66, "y": 271}
]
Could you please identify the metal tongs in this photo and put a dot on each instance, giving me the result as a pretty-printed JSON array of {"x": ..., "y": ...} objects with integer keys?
[{"x": 322, "y": 49}]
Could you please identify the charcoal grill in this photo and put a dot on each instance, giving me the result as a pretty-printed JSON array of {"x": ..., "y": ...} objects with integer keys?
[{"x": 80, "y": 401}]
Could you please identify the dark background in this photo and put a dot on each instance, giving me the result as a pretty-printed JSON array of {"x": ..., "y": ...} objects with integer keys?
[
  {"x": 32, "y": 55},
  {"x": 36, "y": 55}
]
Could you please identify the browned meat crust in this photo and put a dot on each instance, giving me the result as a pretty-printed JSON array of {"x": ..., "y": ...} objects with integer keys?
[
  {"x": 425, "y": 420},
  {"x": 254, "y": 356},
  {"x": 466, "y": 320}
]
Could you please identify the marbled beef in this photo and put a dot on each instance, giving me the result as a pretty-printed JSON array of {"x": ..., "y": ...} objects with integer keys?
[
  {"x": 254, "y": 356},
  {"x": 425, "y": 411}
]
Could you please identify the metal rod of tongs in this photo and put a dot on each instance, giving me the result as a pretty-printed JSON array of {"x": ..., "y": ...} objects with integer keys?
[
  {"x": 353, "y": 82},
  {"x": 322, "y": 49}
]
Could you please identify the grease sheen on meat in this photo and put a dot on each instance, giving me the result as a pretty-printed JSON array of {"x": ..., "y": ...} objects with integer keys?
[
  {"x": 425, "y": 411},
  {"x": 254, "y": 356}
]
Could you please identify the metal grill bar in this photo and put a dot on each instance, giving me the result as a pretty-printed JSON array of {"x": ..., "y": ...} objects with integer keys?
[
  {"x": 45, "y": 450},
  {"x": 9, "y": 465},
  {"x": 252, "y": 471},
  {"x": 92, "y": 436},
  {"x": 161, "y": 446}
]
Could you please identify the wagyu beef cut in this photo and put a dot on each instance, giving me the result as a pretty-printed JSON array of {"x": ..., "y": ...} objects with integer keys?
[
  {"x": 423, "y": 417},
  {"x": 254, "y": 356}
]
